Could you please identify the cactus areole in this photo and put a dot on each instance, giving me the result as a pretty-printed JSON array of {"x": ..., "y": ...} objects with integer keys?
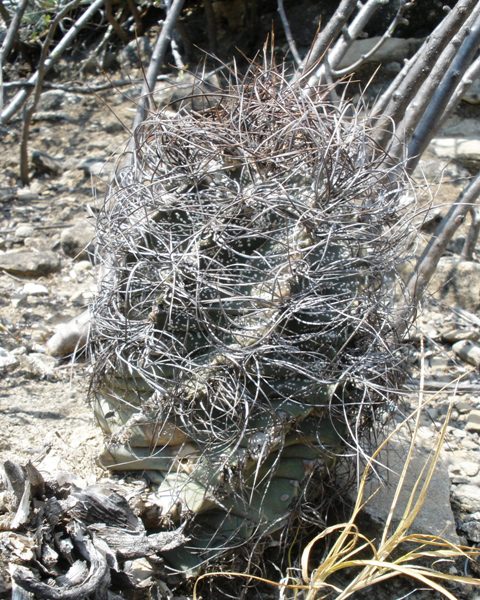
[{"x": 242, "y": 335}]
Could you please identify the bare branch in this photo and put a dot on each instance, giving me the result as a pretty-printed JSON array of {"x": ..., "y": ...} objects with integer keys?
[
  {"x": 326, "y": 37},
  {"x": 9, "y": 41},
  {"x": 472, "y": 235},
  {"x": 122, "y": 34},
  {"x": 425, "y": 114},
  {"x": 428, "y": 262},
  {"x": 288, "y": 32},
  {"x": 157, "y": 60},
  {"x": 19, "y": 99},
  {"x": 391, "y": 106},
  {"x": 335, "y": 55},
  {"x": 387, "y": 35},
  {"x": 28, "y": 114},
  {"x": 471, "y": 74}
]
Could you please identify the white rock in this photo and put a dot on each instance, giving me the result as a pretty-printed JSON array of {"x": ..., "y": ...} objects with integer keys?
[
  {"x": 34, "y": 289},
  {"x": 457, "y": 282},
  {"x": 464, "y": 150},
  {"x": 70, "y": 337},
  {"x": 468, "y": 351},
  {"x": 24, "y": 230},
  {"x": 392, "y": 49},
  {"x": 7, "y": 360}
]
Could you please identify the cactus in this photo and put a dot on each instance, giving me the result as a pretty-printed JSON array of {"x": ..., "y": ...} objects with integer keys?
[{"x": 242, "y": 336}]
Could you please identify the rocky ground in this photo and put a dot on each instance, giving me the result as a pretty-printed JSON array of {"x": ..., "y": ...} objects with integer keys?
[{"x": 47, "y": 276}]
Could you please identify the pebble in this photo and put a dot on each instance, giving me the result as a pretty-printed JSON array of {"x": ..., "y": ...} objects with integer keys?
[
  {"x": 7, "y": 360},
  {"x": 468, "y": 351},
  {"x": 473, "y": 422},
  {"x": 30, "y": 264},
  {"x": 75, "y": 241},
  {"x": 44, "y": 164},
  {"x": 24, "y": 230},
  {"x": 34, "y": 289},
  {"x": 40, "y": 364},
  {"x": 466, "y": 498}
]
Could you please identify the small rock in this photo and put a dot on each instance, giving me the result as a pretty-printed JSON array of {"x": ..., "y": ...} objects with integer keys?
[
  {"x": 44, "y": 164},
  {"x": 24, "y": 230},
  {"x": 40, "y": 364},
  {"x": 451, "y": 336},
  {"x": 471, "y": 530},
  {"x": 51, "y": 100},
  {"x": 468, "y": 351},
  {"x": 466, "y": 498},
  {"x": 135, "y": 54},
  {"x": 70, "y": 337},
  {"x": 34, "y": 289},
  {"x": 466, "y": 151},
  {"x": 463, "y": 405},
  {"x": 7, "y": 360},
  {"x": 457, "y": 282},
  {"x": 76, "y": 241},
  {"x": 30, "y": 264},
  {"x": 473, "y": 422}
]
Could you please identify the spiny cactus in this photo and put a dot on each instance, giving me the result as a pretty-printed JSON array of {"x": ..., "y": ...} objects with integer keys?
[{"x": 242, "y": 334}]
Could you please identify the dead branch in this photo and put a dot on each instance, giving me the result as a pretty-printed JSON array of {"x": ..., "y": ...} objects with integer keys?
[
  {"x": 471, "y": 74},
  {"x": 9, "y": 40},
  {"x": 390, "y": 108},
  {"x": 428, "y": 261},
  {"x": 426, "y": 111},
  {"x": 288, "y": 33},
  {"x": 472, "y": 235},
  {"x": 136, "y": 17},
  {"x": 121, "y": 33},
  {"x": 337, "y": 73},
  {"x": 338, "y": 50},
  {"x": 21, "y": 96},
  {"x": 157, "y": 60},
  {"x": 324, "y": 38},
  {"x": 28, "y": 113}
]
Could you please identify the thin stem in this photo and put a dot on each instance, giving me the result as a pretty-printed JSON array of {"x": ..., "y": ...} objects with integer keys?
[
  {"x": 473, "y": 234},
  {"x": 325, "y": 38},
  {"x": 9, "y": 40},
  {"x": 28, "y": 114},
  {"x": 156, "y": 61},
  {"x": 428, "y": 262},
  {"x": 288, "y": 32},
  {"x": 19, "y": 99}
]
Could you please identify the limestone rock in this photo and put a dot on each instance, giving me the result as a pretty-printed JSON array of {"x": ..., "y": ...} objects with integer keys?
[
  {"x": 473, "y": 422},
  {"x": 435, "y": 517},
  {"x": 44, "y": 164},
  {"x": 29, "y": 263},
  {"x": 457, "y": 282},
  {"x": 464, "y": 150},
  {"x": 466, "y": 498},
  {"x": 75, "y": 241},
  {"x": 468, "y": 351},
  {"x": 7, "y": 360},
  {"x": 392, "y": 49}
]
